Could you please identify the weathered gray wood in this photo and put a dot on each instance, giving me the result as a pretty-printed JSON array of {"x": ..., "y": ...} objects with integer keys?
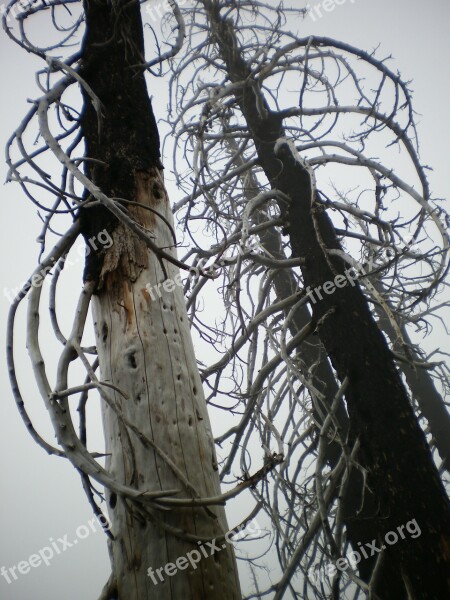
[{"x": 145, "y": 349}]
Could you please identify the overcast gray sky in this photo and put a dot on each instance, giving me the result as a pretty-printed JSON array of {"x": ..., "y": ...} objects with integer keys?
[{"x": 42, "y": 496}]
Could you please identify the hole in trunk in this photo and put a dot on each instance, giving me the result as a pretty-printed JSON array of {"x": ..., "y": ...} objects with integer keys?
[
  {"x": 156, "y": 191},
  {"x": 131, "y": 357}
]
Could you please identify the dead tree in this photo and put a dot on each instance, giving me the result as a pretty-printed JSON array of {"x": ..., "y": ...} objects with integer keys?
[
  {"x": 160, "y": 476},
  {"x": 251, "y": 63},
  {"x": 319, "y": 427}
]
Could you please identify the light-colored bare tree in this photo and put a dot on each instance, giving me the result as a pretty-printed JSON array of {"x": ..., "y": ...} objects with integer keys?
[
  {"x": 321, "y": 258},
  {"x": 161, "y": 479}
]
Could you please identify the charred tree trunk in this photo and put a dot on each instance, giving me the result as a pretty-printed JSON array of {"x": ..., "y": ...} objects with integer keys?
[
  {"x": 158, "y": 437},
  {"x": 360, "y": 515},
  {"x": 400, "y": 470}
]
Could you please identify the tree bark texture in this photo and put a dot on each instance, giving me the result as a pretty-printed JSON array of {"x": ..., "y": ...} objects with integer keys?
[{"x": 158, "y": 434}]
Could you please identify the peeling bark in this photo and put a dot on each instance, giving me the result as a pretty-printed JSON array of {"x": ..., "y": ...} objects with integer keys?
[{"x": 145, "y": 349}]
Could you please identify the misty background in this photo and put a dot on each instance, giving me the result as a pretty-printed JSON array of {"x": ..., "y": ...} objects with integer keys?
[{"x": 42, "y": 496}]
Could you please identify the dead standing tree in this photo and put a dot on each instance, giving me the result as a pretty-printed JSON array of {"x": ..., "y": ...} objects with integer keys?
[
  {"x": 161, "y": 479},
  {"x": 240, "y": 132},
  {"x": 282, "y": 399}
]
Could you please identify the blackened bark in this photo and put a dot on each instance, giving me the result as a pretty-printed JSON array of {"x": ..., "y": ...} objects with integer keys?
[
  {"x": 361, "y": 505},
  {"x": 360, "y": 513},
  {"x": 394, "y": 452},
  {"x": 393, "y": 447},
  {"x": 157, "y": 431},
  {"x": 121, "y": 134}
]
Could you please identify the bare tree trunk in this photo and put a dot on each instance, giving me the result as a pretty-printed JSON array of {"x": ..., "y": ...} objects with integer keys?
[
  {"x": 394, "y": 453},
  {"x": 158, "y": 434}
]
